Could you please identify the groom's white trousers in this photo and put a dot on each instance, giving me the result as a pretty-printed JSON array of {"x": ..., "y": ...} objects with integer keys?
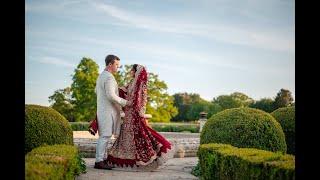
[
  {"x": 101, "y": 148},
  {"x": 102, "y": 141}
]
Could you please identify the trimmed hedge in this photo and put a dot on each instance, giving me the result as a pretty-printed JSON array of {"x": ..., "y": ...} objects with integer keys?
[
  {"x": 53, "y": 162},
  {"x": 244, "y": 127},
  {"x": 79, "y": 126},
  {"x": 175, "y": 127},
  {"x": 286, "y": 117},
  {"x": 196, "y": 171},
  {"x": 44, "y": 125},
  {"x": 222, "y": 161},
  {"x": 160, "y": 127}
]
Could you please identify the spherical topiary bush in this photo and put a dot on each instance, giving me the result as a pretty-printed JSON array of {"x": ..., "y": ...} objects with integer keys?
[
  {"x": 286, "y": 117},
  {"x": 244, "y": 127},
  {"x": 44, "y": 125}
]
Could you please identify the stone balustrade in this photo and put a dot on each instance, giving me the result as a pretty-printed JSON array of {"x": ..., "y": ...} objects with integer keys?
[{"x": 184, "y": 144}]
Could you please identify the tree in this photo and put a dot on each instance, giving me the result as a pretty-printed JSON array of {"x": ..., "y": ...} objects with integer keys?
[
  {"x": 179, "y": 102},
  {"x": 202, "y": 106},
  {"x": 83, "y": 97},
  {"x": 265, "y": 104},
  {"x": 184, "y": 103},
  {"x": 62, "y": 102},
  {"x": 191, "y": 104},
  {"x": 123, "y": 75},
  {"x": 244, "y": 99},
  {"x": 160, "y": 103},
  {"x": 283, "y": 99},
  {"x": 233, "y": 100},
  {"x": 83, "y": 89},
  {"x": 226, "y": 102}
]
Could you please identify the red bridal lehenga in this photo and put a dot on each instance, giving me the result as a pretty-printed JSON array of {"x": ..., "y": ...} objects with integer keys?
[{"x": 137, "y": 147}]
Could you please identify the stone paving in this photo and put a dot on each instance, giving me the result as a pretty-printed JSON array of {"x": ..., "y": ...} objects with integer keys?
[
  {"x": 175, "y": 168},
  {"x": 184, "y": 144}
]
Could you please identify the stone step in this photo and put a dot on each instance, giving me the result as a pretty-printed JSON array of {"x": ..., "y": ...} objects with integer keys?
[{"x": 184, "y": 144}]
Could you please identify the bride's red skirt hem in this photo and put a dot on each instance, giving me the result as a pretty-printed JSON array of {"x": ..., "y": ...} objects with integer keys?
[{"x": 131, "y": 162}]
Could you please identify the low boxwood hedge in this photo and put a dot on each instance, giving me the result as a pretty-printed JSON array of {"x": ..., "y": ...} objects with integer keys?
[
  {"x": 160, "y": 127},
  {"x": 245, "y": 128},
  {"x": 53, "y": 162},
  {"x": 44, "y": 125},
  {"x": 286, "y": 117},
  {"x": 175, "y": 127},
  {"x": 223, "y": 161},
  {"x": 79, "y": 126}
]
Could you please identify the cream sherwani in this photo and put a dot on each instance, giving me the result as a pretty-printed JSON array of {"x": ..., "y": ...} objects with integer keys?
[{"x": 108, "y": 111}]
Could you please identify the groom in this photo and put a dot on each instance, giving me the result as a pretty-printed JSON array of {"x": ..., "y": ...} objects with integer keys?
[{"x": 108, "y": 108}]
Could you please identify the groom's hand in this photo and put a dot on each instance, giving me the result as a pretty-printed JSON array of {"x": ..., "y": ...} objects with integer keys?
[{"x": 129, "y": 103}]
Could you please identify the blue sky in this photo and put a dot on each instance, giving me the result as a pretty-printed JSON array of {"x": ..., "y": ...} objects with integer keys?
[{"x": 209, "y": 47}]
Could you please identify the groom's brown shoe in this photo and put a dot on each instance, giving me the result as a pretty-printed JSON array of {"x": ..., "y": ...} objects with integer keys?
[{"x": 102, "y": 165}]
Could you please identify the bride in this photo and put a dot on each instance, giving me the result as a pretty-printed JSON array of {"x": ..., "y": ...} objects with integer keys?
[{"x": 137, "y": 145}]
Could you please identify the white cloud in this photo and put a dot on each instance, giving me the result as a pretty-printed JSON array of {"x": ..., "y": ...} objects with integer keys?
[
  {"x": 30, "y": 83},
  {"x": 154, "y": 67},
  {"x": 65, "y": 9},
  {"x": 164, "y": 56},
  {"x": 156, "y": 51},
  {"x": 56, "y": 61},
  {"x": 220, "y": 32},
  {"x": 269, "y": 38},
  {"x": 71, "y": 2},
  {"x": 161, "y": 54},
  {"x": 50, "y": 6}
]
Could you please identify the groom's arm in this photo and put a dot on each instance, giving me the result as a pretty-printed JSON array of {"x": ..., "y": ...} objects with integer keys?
[{"x": 109, "y": 86}]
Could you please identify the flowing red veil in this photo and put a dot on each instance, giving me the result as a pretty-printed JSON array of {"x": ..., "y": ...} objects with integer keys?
[{"x": 147, "y": 145}]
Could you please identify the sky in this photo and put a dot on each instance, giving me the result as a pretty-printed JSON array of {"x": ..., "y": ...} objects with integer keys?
[{"x": 208, "y": 47}]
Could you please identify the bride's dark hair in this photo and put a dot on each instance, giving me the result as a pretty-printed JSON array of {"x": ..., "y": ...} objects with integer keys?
[{"x": 134, "y": 67}]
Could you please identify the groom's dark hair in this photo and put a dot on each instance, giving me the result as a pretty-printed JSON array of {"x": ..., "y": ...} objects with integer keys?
[
  {"x": 134, "y": 67},
  {"x": 111, "y": 58}
]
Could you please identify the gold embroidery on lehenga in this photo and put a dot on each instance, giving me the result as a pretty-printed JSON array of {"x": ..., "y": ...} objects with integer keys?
[{"x": 135, "y": 142}]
